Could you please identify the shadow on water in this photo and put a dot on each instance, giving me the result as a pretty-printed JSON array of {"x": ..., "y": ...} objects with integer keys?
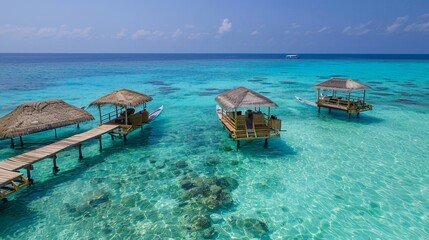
[
  {"x": 341, "y": 115},
  {"x": 276, "y": 147}
]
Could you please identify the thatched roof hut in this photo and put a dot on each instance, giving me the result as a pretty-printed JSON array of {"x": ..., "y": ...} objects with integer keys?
[
  {"x": 40, "y": 116},
  {"x": 341, "y": 84},
  {"x": 123, "y": 98},
  {"x": 243, "y": 97}
]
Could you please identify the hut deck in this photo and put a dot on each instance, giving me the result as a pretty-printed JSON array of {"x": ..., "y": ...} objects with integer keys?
[
  {"x": 259, "y": 130},
  {"x": 11, "y": 181},
  {"x": 344, "y": 105}
]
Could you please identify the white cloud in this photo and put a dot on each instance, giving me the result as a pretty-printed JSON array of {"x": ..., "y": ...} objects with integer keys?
[
  {"x": 356, "y": 31},
  {"x": 255, "y": 33},
  {"x": 122, "y": 34},
  {"x": 177, "y": 33},
  {"x": 424, "y": 15},
  {"x": 140, "y": 34},
  {"x": 198, "y": 36},
  {"x": 295, "y": 25},
  {"x": 323, "y": 29},
  {"x": 65, "y": 32},
  {"x": 225, "y": 27},
  {"x": 417, "y": 27},
  {"x": 397, "y": 24},
  {"x": 62, "y": 32}
]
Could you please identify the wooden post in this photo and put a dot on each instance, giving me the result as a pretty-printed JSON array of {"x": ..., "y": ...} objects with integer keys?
[
  {"x": 364, "y": 96},
  {"x": 330, "y": 110},
  {"x": 99, "y": 113},
  {"x": 235, "y": 119},
  {"x": 78, "y": 126},
  {"x": 20, "y": 140},
  {"x": 55, "y": 130},
  {"x": 357, "y": 115},
  {"x": 80, "y": 151},
  {"x": 101, "y": 146},
  {"x": 266, "y": 142},
  {"x": 125, "y": 138},
  {"x": 238, "y": 144},
  {"x": 318, "y": 95},
  {"x": 30, "y": 180},
  {"x": 126, "y": 115},
  {"x": 319, "y": 110},
  {"x": 55, "y": 169},
  {"x": 116, "y": 109},
  {"x": 12, "y": 144},
  {"x": 269, "y": 112}
]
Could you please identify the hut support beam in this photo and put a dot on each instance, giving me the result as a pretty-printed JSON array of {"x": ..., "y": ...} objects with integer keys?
[
  {"x": 80, "y": 151},
  {"x": 29, "y": 168},
  {"x": 55, "y": 130},
  {"x": 20, "y": 140},
  {"x": 55, "y": 169},
  {"x": 125, "y": 138},
  {"x": 101, "y": 145},
  {"x": 364, "y": 96},
  {"x": 266, "y": 142},
  {"x": 12, "y": 144},
  {"x": 238, "y": 144},
  {"x": 99, "y": 113}
]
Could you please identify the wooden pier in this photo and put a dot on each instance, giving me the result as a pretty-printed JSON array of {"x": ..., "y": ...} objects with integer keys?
[{"x": 11, "y": 180}]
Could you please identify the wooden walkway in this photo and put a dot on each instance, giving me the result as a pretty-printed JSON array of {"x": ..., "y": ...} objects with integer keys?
[{"x": 8, "y": 167}]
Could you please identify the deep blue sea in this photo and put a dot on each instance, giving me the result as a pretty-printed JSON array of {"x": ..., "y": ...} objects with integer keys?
[{"x": 327, "y": 177}]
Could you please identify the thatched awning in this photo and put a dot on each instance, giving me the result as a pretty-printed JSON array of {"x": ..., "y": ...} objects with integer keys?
[
  {"x": 243, "y": 97},
  {"x": 40, "y": 116},
  {"x": 341, "y": 84},
  {"x": 122, "y": 97}
]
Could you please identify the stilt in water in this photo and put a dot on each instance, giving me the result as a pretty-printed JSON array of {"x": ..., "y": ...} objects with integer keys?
[
  {"x": 125, "y": 138},
  {"x": 319, "y": 110},
  {"x": 101, "y": 146},
  {"x": 29, "y": 168},
  {"x": 357, "y": 115},
  {"x": 330, "y": 111},
  {"x": 12, "y": 144},
  {"x": 78, "y": 126},
  {"x": 56, "y": 136},
  {"x": 20, "y": 140},
  {"x": 350, "y": 115},
  {"x": 238, "y": 144},
  {"x": 80, "y": 151},
  {"x": 55, "y": 169},
  {"x": 266, "y": 142}
]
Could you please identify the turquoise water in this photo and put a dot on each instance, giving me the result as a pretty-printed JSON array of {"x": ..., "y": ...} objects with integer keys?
[{"x": 327, "y": 177}]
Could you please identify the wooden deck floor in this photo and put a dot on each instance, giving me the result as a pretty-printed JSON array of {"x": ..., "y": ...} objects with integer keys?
[{"x": 9, "y": 166}]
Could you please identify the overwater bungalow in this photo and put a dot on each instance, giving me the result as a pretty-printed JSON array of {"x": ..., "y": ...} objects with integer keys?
[
  {"x": 340, "y": 94},
  {"x": 41, "y": 116},
  {"x": 240, "y": 113},
  {"x": 125, "y": 103}
]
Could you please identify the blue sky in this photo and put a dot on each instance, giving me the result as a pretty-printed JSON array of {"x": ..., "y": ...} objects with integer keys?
[{"x": 217, "y": 26}]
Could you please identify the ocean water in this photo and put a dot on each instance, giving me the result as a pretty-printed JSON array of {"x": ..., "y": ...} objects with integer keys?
[{"x": 327, "y": 177}]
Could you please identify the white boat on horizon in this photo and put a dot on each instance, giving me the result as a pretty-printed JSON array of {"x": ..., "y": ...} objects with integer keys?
[{"x": 292, "y": 56}]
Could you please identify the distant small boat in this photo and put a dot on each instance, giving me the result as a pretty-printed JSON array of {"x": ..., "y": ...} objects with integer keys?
[
  {"x": 292, "y": 56},
  {"x": 306, "y": 101}
]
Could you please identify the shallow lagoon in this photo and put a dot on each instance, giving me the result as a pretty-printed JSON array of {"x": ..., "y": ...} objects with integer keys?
[{"x": 326, "y": 177}]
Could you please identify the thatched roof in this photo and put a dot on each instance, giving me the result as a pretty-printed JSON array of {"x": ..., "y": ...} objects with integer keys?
[
  {"x": 122, "y": 97},
  {"x": 40, "y": 116},
  {"x": 341, "y": 84},
  {"x": 243, "y": 97}
]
